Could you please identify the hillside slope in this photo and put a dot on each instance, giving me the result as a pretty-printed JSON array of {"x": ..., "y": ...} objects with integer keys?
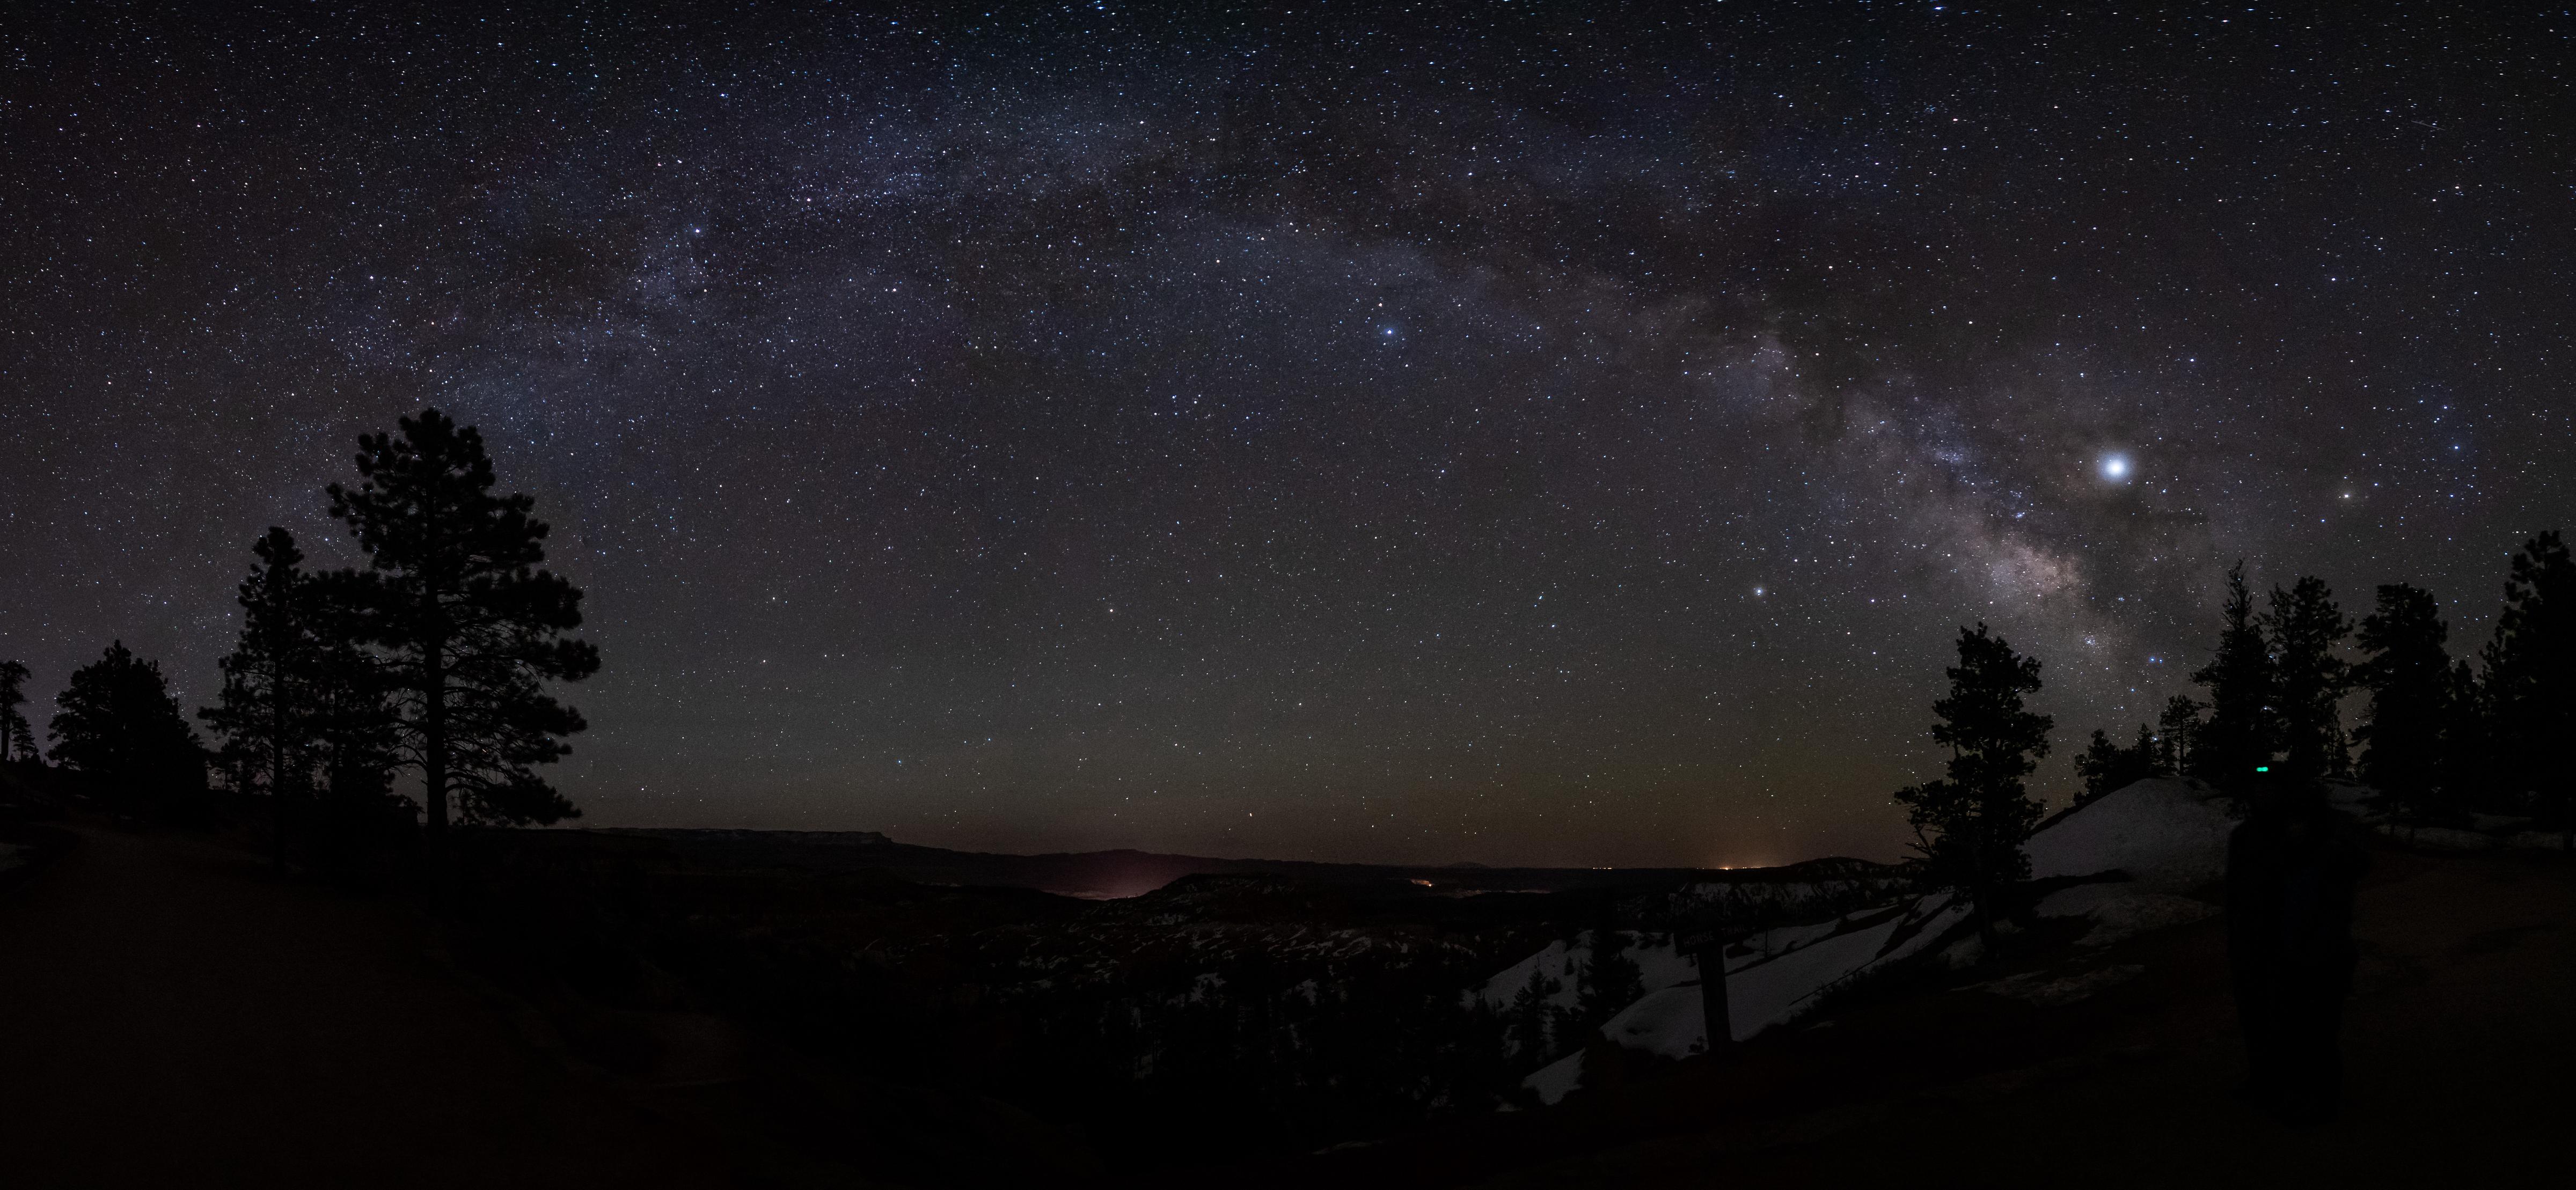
[{"x": 2104, "y": 1064}]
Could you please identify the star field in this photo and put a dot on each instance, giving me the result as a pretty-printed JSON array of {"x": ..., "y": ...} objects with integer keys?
[{"x": 1520, "y": 433}]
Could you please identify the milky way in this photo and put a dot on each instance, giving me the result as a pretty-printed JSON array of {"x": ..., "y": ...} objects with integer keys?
[{"x": 1560, "y": 434}]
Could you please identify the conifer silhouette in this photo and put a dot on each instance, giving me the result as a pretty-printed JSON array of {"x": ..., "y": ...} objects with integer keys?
[
  {"x": 1970, "y": 826},
  {"x": 2468, "y": 763},
  {"x": 2531, "y": 678},
  {"x": 469, "y": 629},
  {"x": 2177, "y": 726},
  {"x": 357, "y": 720},
  {"x": 2242, "y": 729},
  {"x": 267, "y": 713},
  {"x": 2304, "y": 627},
  {"x": 121, "y": 729},
  {"x": 17, "y": 738},
  {"x": 2409, "y": 677},
  {"x": 2105, "y": 766},
  {"x": 1610, "y": 980},
  {"x": 1529, "y": 1019}
]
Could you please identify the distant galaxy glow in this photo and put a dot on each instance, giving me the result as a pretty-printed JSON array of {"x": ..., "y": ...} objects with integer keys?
[{"x": 1349, "y": 432}]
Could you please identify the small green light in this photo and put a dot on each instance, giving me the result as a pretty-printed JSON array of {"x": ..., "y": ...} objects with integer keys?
[{"x": 2262, "y": 768}]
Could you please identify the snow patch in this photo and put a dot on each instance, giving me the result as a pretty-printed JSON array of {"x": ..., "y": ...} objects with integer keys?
[
  {"x": 2121, "y": 911},
  {"x": 2039, "y": 989},
  {"x": 2444, "y": 838},
  {"x": 1772, "y": 943},
  {"x": 1659, "y": 966},
  {"x": 2167, "y": 834},
  {"x": 1764, "y": 992},
  {"x": 1672, "y": 1022},
  {"x": 1557, "y": 1079}
]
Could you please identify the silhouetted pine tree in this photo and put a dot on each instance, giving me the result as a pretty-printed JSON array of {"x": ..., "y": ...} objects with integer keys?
[
  {"x": 2241, "y": 728},
  {"x": 267, "y": 715},
  {"x": 2105, "y": 766},
  {"x": 1527, "y": 1023},
  {"x": 2409, "y": 678},
  {"x": 1971, "y": 825},
  {"x": 1609, "y": 981},
  {"x": 2177, "y": 726},
  {"x": 470, "y": 630},
  {"x": 122, "y": 730},
  {"x": 2531, "y": 678},
  {"x": 2467, "y": 763},
  {"x": 357, "y": 721},
  {"x": 17, "y": 737},
  {"x": 2309, "y": 681}
]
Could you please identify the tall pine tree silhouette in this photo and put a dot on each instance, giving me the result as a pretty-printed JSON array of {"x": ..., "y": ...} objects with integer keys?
[
  {"x": 2305, "y": 627},
  {"x": 1970, "y": 826},
  {"x": 470, "y": 629},
  {"x": 2241, "y": 728},
  {"x": 1530, "y": 1018},
  {"x": 2531, "y": 678},
  {"x": 2468, "y": 752},
  {"x": 270, "y": 710},
  {"x": 1610, "y": 980},
  {"x": 2177, "y": 726},
  {"x": 17, "y": 738},
  {"x": 2409, "y": 677},
  {"x": 357, "y": 719},
  {"x": 121, "y": 729}
]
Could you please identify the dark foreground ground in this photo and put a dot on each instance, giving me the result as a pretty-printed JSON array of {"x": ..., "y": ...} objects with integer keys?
[{"x": 171, "y": 1013}]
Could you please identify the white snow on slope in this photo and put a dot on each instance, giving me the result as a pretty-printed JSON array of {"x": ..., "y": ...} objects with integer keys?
[
  {"x": 1557, "y": 1079},
  {"x": 2167, "y": 834},
  {"x": 1780, "y": 940},
  {"x": 1766, "y": 994},
  {"x": 1759, "y": 995},
  {"x": 1658, "y": 964},
  {"x": 1672, "y": 1022},
  {"x": 2120, "y": 910}
]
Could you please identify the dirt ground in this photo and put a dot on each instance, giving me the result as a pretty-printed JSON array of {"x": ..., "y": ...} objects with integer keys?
[{"x": 172, "y": 1014}]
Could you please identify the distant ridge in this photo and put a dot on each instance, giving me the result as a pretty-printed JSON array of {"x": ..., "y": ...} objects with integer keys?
[{"x": 1126, "y": 872}]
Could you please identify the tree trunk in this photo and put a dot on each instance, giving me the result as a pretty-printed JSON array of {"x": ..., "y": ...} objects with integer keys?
[
  {"x": 277, "y": 768},
  {"x": 434, "y": 725},
  {"x": 433, "y": 739},
  {"x": 1712, "y": 998}
]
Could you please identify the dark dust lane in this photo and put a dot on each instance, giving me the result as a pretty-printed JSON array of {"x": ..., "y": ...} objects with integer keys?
[{"x": 171, "y": 1014}]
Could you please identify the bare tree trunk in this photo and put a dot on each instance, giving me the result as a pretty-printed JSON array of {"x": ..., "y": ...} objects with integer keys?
[
  {"x": 1712, "y": 997},
  {"x": 277, "y": 768},
  {"x": 433, "y": 739}
]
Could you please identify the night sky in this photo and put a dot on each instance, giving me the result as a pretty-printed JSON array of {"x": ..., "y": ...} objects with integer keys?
[{"x": 1500, "y": 432}]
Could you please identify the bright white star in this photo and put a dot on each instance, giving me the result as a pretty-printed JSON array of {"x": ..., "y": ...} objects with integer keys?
[{"x": 2115, "y": 467}]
